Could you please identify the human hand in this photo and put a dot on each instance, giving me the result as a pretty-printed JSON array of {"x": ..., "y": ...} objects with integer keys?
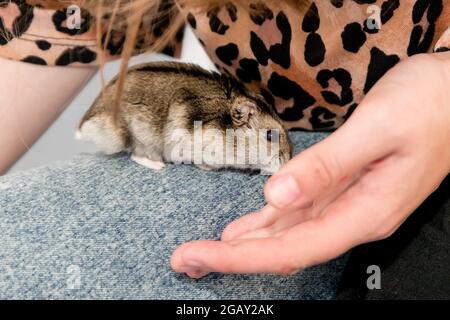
[{"x": 356, "y": 186}]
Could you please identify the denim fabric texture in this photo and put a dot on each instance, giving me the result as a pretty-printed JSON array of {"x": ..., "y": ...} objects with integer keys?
[{"x": 103, "y": 227}]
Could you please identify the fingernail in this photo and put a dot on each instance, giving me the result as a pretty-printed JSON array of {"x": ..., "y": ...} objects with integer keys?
[
  {"x": 191, "y": 266},
  {"x": 197, "y": 274},
  {"x": 194, "y": 269},
  {"x": 283, "y": 191},
  {"x": 191, "y": 271},
  {"x": 194, "y": 264}
]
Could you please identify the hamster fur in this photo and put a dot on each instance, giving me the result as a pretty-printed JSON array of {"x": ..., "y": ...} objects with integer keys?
[{"x": 162, "y": 104}]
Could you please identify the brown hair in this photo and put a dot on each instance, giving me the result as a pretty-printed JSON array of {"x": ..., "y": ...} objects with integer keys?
[{"x": 133, "y": 10}]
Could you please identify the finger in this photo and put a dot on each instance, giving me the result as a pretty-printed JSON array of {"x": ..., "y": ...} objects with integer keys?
[
  {"x": 311, "y": 242},
  {"x": 362, "y": 213},
  {"x": 336, "y": 160},
  {"x": 287, "y": 218},
  {"x": 263, "y": 218},
  {"x": 285, "y": 221},
  {"x": 249, "y": 222},
  {"x": 270, "y": 220}
]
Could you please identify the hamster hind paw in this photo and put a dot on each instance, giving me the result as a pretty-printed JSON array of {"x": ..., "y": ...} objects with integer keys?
[{"x": 146, "y": 162}]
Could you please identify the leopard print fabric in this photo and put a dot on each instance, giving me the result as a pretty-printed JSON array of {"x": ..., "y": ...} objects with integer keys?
[
  {"x": 314, "y": 68},
  {"x": 33, "y": 34}
]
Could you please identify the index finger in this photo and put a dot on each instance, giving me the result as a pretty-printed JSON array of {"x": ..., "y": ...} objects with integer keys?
[{"x": 309, "y": 243}]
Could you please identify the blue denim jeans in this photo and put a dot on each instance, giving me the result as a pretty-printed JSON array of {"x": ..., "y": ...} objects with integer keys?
[{"x": 103, "y": 227}]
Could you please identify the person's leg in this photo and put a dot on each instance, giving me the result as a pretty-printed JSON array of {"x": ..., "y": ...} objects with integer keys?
[{"x": 105, "y": 227}]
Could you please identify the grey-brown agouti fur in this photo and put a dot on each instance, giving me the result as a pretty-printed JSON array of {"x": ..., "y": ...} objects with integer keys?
[{"x": 161, "y": 104}]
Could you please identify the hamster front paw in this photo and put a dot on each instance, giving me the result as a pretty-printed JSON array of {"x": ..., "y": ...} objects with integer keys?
[{"x": 146, "y": 162}]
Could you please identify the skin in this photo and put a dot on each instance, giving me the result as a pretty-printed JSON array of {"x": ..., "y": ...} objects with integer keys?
[
  {"x": 32, "y": 98},
  {"x": 358, "y": 185}
]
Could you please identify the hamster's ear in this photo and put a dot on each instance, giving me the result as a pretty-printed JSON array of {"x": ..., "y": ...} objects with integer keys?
[{"x": 242, "y": 113}]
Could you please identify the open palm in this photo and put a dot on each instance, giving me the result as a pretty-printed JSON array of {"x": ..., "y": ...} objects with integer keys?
[{"x": 356, "y": 186}]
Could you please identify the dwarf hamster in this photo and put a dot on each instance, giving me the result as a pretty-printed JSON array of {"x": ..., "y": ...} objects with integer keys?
[{"x": 181, "y": 113}]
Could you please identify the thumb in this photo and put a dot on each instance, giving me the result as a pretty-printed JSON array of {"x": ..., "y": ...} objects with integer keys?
[{"x": 333, "y": 162}]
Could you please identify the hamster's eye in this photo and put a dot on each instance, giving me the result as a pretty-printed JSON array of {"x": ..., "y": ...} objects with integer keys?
[{"x": 272, "y": 135}]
